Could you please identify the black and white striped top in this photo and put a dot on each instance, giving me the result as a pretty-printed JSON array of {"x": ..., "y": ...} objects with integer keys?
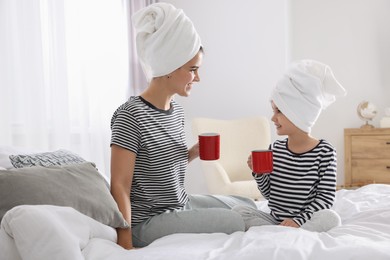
[
  {"x": 158, "y": 139},
  {"x": 300, "y": 184}
]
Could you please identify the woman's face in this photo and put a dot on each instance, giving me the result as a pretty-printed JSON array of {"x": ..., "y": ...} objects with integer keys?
[
  {"x": 283, "y": 125},
  {"x": 182, "y": 79}
]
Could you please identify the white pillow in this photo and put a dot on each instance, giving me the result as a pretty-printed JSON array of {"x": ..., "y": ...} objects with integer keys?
[{"x": 5, "y": 162}]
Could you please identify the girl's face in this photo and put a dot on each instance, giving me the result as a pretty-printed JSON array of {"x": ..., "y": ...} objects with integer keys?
[
  {"x": 283, "y": 125},
  {"x": 182, "y": 79}
]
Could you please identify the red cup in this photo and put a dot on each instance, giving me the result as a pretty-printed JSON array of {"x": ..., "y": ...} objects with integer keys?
[
  {"x": 209, "y": 146},
  {"x": 262, "y": 161}
]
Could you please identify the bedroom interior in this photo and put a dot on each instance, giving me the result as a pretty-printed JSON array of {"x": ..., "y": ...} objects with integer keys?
[
  {"x": 351, "y": 36},
  {"x": 247, "y": 47}
]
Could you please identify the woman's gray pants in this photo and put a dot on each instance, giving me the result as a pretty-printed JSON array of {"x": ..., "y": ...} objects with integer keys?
[{"x": 202, "y": 214}]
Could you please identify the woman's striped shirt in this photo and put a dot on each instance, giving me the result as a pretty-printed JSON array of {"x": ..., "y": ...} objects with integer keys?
[
  {"x": 300, "y": 184},
  {"x": 157, "y": 138}
]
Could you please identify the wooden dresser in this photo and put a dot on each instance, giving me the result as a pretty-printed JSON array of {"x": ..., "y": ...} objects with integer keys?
[{"x": 367, "y": 156}]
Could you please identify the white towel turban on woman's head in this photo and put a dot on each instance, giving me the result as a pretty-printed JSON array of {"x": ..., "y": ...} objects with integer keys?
[
  {"x": 166, "y": 39},
  {"x": 306, "y": 88}
]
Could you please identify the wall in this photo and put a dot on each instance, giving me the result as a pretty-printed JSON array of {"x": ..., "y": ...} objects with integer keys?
[
  {"x": 247, "y": 46},
  {"x": 244, "y": 55},
  {"x": 353, "y": 37}
]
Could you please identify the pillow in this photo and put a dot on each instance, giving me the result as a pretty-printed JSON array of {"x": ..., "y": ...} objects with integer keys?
[
  {"x": 6, "y": 151},
  {"x": 59, "y": 157},
  {"x": 79, "y": 186},
  {"x": 5, "y": 162}
]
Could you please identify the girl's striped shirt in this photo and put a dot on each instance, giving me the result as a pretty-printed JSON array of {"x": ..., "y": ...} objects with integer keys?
[{"x": 300, "y": 184}]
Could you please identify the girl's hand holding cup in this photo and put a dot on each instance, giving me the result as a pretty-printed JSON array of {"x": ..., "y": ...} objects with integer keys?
[{"x": 261, "y": 161}]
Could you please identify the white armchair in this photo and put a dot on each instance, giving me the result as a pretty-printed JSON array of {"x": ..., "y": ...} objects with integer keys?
[{"x": 230, "y": 174}]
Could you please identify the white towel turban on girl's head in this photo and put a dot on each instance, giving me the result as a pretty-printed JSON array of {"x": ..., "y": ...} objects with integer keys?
[
  {"x": 306, "y": 88},
  {"x": 166, "y": 39}
]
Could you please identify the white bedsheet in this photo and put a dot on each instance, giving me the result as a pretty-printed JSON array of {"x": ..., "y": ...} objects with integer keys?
[{"x": 49, "y": 232}]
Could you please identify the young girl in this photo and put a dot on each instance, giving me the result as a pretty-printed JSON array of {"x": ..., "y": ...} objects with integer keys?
[
  {"x": 302, "y": 186},
  {"x": 149, "y": 154}
]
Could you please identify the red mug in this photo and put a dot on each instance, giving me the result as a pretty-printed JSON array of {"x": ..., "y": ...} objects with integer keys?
[
  {"x": 262, "y": 161},
  {"x": 209, "y": 146}
]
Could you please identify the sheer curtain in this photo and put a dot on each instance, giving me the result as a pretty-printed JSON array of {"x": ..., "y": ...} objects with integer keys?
[{"x": 65, "y": 66}]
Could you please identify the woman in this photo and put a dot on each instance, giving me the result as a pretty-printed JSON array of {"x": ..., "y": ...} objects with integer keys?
[{"x": 149, "y": 154}]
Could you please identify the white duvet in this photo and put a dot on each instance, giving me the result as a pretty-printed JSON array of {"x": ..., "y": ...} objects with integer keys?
[{"x": 50, "y": 232}]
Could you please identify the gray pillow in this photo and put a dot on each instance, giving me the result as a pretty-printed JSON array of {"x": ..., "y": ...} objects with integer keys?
[
  {"x": 78, "y": 185},
  {"x": 59, "y": 157}
]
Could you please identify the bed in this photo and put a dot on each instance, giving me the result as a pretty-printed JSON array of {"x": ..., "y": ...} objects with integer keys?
[{"x": 68, "y": 229}]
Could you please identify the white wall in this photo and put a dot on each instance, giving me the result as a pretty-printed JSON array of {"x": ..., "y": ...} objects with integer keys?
[
  {"x": 244, "y": 55},
  {"x": 248, "y": 42},
  {"x": 353, "y": 37}
]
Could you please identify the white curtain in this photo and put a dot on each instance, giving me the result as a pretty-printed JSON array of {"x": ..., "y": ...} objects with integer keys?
[{"x": 65, "y": 66}]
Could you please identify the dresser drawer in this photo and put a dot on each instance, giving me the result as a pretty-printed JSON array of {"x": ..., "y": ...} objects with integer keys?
[
  {"x": 371, "y": 170},
  {"x": 375, "y": 146},
  {"x": 366, "y": 156}
]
